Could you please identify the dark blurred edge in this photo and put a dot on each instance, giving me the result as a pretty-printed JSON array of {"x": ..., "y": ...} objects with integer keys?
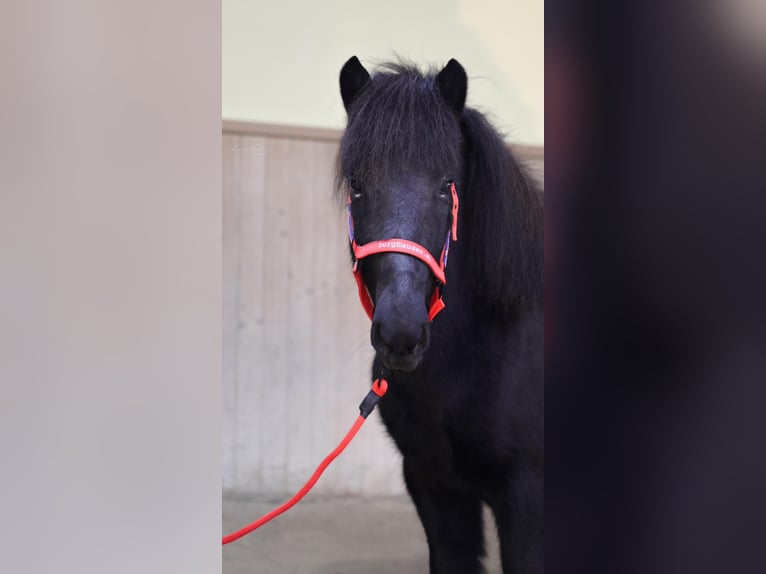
[{"x": 655, "y": 334}]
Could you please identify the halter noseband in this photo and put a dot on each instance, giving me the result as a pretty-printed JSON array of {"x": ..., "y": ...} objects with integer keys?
[{"x": 406, "y": 247}]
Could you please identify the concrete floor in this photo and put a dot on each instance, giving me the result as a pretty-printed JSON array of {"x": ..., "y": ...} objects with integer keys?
[{"x": 338, "y": 536}]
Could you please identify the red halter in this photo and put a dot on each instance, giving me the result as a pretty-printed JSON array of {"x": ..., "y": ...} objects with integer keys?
[{"x": 406, "y": 247}]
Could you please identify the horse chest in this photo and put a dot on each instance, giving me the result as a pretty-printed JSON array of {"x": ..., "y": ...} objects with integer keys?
[{"x": 449, "y": 440}]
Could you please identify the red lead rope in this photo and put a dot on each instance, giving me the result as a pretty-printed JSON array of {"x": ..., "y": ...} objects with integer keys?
[{"x": 379, "y": 388}]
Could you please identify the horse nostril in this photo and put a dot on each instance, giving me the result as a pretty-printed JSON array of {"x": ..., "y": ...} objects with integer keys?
[
  {"x": 425, "y": 337},
  {"x": 377, "y": 338}
]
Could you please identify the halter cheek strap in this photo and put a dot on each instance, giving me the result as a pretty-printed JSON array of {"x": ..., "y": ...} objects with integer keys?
[{"x": 406, "y": 247}]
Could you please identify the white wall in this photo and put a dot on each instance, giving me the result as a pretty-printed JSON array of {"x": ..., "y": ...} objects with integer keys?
[
  {"x": 296, "y": 351},
  {"x": 281, "y": 59}
]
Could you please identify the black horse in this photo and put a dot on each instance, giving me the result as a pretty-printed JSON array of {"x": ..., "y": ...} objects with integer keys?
[{"x": 465, "y": 399}]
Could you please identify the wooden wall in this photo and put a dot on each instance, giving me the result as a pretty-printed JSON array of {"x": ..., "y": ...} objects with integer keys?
[{"x": 296, "y": 350}]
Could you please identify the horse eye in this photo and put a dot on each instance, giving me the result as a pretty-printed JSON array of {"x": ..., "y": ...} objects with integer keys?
[
  {"x": 356, "y": 190},
  {"x": 446, "y": 188}
]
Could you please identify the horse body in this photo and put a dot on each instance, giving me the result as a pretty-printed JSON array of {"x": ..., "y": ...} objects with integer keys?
[
  {"x": 468, "y": 422},
  {"x": 465, "y": 399}
]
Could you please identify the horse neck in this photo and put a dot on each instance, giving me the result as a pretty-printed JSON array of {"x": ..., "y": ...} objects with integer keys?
[{"x": 468, "y": 286}]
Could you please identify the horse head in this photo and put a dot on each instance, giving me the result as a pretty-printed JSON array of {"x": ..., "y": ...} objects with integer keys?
[{"x": 400, "y": 161}]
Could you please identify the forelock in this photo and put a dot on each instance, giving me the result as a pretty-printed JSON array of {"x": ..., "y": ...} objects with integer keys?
[{"x": 398, "y": 123}]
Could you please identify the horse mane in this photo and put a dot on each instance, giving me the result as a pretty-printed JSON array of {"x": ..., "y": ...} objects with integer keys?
[
  {"x": 503, "y": 220},
  {"x": 501, "y": 229}
]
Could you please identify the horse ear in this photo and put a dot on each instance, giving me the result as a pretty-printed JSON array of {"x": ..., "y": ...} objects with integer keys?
[
  {"x": 353, "y": 77},
  {"x": 453, "y": 84}
]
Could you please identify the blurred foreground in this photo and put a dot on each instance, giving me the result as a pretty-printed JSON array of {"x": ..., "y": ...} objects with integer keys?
[{"x": 655, "y": 315}]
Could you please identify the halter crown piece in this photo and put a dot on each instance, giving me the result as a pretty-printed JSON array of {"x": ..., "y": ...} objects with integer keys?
[{"x": 406, "y": 247}]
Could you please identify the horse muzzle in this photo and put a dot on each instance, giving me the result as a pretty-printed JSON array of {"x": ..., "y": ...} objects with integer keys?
[{"x": 400, "y": 333}]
